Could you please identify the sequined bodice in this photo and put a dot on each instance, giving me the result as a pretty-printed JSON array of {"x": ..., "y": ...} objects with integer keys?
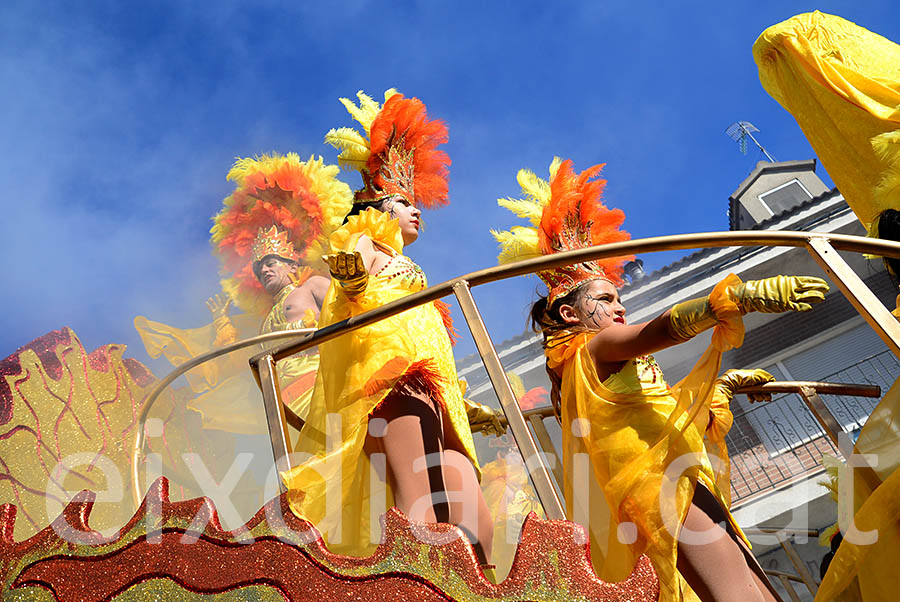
[
  {"x": 641, "y": 374},
  {"x": 403, "y": 271}
]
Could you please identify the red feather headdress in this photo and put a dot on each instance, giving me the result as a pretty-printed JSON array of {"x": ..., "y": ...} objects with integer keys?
[
  {"x": 567, "y": 214},
  {"x": 400, "y": 157}
]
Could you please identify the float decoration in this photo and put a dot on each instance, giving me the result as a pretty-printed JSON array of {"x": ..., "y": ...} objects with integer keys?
[{"x": 178, "y": 550}]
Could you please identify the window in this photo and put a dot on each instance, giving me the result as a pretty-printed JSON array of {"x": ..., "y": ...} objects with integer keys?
[{"x": 787, "y": 196}]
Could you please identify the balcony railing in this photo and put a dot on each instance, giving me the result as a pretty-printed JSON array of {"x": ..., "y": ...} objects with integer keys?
[{"x": 772, "y": 444}]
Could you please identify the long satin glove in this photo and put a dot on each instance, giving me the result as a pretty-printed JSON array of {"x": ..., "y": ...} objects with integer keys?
[
  {"x": 483, "y": 418},
  {"x": 780, "y": 293},
  {"x": 720, "y": 418},
  {"x": 349, "y": 271},
  {"x": 769, "y": 295}
]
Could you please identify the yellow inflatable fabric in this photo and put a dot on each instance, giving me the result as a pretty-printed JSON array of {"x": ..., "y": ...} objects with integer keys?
[
  {"x": 644, "y": 443},
  {"x": 334, "y": 485},
  {"x": 841, "y": 82},
  {"x": 868, "y": 571}
]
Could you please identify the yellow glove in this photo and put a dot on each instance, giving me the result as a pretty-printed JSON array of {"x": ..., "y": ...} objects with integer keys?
[
  {"x": 226, "y": 333},
  {"x": 484, "y": 418},
  {"x": 720, "y": 418},
  {"x": 780, "y": 293},
  {"x": 349, "y": 271},
  {"x": 769, "y": 295},
  {"x": 732, "y": 380}
]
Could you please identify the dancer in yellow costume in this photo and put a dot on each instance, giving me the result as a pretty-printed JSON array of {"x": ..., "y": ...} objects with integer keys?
[
  {"x": 270, "y": 236},
  {"x": 657, "y": 487},
  {"x": 399, "y": 370},
  {"x": 841, "y": 82}
]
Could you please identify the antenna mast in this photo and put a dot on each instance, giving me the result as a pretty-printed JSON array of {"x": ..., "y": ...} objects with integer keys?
[{"x": 739, "y": 131}]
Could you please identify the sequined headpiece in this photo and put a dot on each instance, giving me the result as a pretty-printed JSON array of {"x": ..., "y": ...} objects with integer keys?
[
  {"x": 400, "y": 156},
  {"x": 280, "y": 206},
  {"x": 272, "y": 242},
  {"x": 566, "y": 214}
]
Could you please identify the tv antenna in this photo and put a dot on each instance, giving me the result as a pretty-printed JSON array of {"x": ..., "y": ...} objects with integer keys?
[{"x": 739, "y": 131}]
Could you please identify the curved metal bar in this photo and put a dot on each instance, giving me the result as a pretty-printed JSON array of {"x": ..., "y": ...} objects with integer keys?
[
  {"x": 138, "y": 443},
  {"x": 845, "y": 242}
]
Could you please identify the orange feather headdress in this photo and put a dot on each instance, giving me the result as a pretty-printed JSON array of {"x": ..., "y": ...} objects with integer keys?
[
  {"x": 567, "y": 213},
  {"x": 281, "y": 206},
  {"x": 400, "y": 156}
]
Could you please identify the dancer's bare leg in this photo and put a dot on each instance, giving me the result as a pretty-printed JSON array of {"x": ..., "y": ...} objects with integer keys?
[
  {"x": 413, "y": 436},
  {"x": 717, "y": 571},
  {"x": 468, "y": 509}
]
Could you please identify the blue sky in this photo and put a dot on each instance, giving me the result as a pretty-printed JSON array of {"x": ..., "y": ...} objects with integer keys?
[{"x": 120, "y": 121}]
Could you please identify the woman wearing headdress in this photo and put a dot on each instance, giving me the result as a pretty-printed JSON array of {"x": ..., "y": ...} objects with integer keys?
[
  {"x": 657, "y": 488},
  {"x": 387, "y": 395}
]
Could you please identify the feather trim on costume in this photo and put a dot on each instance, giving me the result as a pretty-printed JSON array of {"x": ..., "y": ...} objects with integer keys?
[
  {"x": 418, "y": 377},
  {"x": 444, "y": 309}
]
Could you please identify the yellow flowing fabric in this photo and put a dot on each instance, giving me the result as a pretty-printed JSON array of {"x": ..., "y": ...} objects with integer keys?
[
  {"x": 334, "y": 485},
  {"x": 510, "y": 496},
  {"x": 297, "y": 374},
  {"x": 224, "y": 387},
  {"x": 861, "y": 571},
  {"x": 841, "y": 82},
  {"x": 629, "y": 430}
]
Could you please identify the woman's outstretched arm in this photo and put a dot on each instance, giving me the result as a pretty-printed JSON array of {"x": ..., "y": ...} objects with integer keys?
[{"x": 620, "y": 342}]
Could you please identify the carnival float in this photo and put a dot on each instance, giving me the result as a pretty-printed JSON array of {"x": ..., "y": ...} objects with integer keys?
[{"x": 271, "y": 470}]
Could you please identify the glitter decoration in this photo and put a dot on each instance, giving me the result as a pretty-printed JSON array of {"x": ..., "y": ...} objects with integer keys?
[
  {"x": 67, "y": 420},
  {"x": 164, "y": 554}
]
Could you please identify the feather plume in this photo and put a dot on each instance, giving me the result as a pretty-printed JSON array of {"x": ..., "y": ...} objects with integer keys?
[
  {"x": 400, "y": 155},
  {"x": 404, "y": 122},
  {"x": 365, "y": 112},
  {"x": 517, "y": 244},
  {"x": 528, "y": 209},
  {"x": 567, "y": 213},
  {"x": 533, "y": 186},
  {"x": 302, "y": 198},
  {"x": 347, "y": 140},
  {"x": 354, "y": 148}
]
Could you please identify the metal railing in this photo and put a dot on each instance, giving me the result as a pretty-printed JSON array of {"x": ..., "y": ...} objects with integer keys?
[
  {"x": 774, "y": 443},
  {"x": 822, "y": 247}
]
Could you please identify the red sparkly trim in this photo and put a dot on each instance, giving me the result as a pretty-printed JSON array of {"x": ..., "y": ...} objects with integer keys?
[{"x": 207, "y": 560}]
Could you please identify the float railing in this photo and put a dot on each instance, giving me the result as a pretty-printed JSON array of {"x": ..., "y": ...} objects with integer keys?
[{"x": 822, "y": 247}]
